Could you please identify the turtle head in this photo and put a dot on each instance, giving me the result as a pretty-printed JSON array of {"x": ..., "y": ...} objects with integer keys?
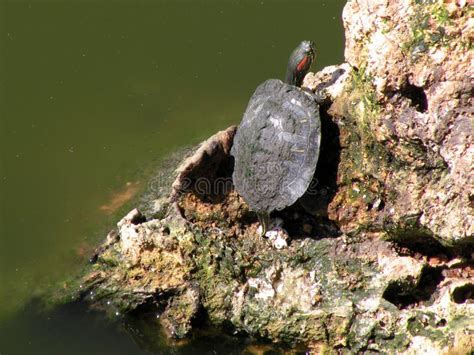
[{"x": 300, "y": 62}]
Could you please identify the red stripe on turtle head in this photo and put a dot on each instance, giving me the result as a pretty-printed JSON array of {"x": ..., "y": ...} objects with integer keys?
[{"x": 302, "y": 65}]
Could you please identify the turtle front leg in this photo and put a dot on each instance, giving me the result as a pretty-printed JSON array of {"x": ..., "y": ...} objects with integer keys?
[
  {"x": 264, "y": 219},
  {"x": 317, "y": 96}
]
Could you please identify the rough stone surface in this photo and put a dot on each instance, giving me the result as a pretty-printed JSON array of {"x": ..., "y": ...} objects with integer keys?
[
  {"x": 385, "y": 260},
  {"x": 350, "y": 293},
  {"x": 412, "y": 103}
]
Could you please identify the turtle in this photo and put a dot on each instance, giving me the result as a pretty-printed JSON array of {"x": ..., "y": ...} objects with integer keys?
[{"x": 276, "y": 146}]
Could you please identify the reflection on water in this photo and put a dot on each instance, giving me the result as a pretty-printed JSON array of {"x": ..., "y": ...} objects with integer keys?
[
  {"x": 92, "y": 92},
  {"x": 120, "y": 197}
]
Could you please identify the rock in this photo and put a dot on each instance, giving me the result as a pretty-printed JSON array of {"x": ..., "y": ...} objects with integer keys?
[
  {"x": 198, "y": 173},
  {"x": 278, "y": 237},
  {"x": 414, "y": 115},
  {"x": 177, "y": 317},
  {"x": 132, "y": 238},
  {"x": 330, "y": 82}
]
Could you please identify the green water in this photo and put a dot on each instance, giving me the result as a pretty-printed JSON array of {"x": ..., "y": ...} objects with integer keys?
[{"x": 94, "y": 92}]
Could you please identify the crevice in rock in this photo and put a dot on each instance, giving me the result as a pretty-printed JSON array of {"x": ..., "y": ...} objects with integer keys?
[
  {"x": 418, "y": 244},
  {"x": 208, "y": 172},
  {"x": 403, "y": 293},
  {"x": 323, "y": 186},
  {"x": 314, "y": 204},
  {"x": 212, "y": 182},
  {"x": 416, "y": 95},
  {"x": 299, "y": 223},
  {"x": 463, "y": 294}
]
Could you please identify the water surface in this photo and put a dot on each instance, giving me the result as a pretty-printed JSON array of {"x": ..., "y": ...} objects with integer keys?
[{"x": 94, "y": 92}]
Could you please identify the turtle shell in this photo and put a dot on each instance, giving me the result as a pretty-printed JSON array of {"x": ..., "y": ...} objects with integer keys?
[{"x": 276, "y": 146}]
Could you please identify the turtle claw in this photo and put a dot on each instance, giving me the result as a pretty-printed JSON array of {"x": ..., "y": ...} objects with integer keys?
[{"x": 264, "y": 219}]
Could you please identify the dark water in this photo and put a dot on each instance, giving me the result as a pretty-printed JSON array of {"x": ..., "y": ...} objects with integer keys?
[{"x": 94, "y": 92}]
